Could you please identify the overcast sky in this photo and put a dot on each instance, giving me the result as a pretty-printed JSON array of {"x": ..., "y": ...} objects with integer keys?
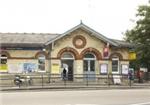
[{"x": 108, "y": 17}]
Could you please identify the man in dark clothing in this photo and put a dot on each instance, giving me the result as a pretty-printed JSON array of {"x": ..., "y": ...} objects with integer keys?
[{"x": 64, "y": 74}]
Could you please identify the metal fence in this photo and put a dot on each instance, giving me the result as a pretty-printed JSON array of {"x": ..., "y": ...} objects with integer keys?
[{"x": 42, "y": 80}]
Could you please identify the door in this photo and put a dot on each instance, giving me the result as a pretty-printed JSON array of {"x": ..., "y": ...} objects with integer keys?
[
  {"x": 89, "y": 66},
  {"x": 68, "y": 64},
  {"x": 67, "y": 61}
]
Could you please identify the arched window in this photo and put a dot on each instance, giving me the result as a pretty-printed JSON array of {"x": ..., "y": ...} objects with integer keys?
[
  {"x": 3, "y": 59},
  {"x": 89, "y": 56},
  {"x": 41, "y": 62},
  {"x": 89, "y": 62},
  {"x": 67, "y": 55}
]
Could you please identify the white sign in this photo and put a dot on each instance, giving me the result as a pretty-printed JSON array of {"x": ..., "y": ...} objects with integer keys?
[
  {"x": 104, "y": 68},
  {"x": 125, "y": 69}
]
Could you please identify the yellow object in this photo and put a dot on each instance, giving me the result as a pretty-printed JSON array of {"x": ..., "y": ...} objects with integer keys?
[
  {"x": 3, "y": 68},
  {"x": 55, "y": 68},
  {"x": 132, "y": 56}
]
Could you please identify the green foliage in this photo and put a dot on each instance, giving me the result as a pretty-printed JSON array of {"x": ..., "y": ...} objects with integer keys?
[{"x": 140, "y": 35}]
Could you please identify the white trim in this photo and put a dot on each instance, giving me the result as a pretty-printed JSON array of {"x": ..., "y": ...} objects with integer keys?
[
  {"x": 3, "y": 57},
  {"x": 83, "y": 26},
  {"x": 116, "y": 59}
]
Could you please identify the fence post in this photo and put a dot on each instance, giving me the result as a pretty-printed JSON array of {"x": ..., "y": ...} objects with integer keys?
[
  {"x": 108, "y": 81},
  {"x": 87, "y": 80},
  {"x": 65, "y": 82},
  {"x": 42, "y": 81},
  {"x": 49, "y": 76}
]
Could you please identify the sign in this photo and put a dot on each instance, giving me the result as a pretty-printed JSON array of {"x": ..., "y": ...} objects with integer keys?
[
  {"x": 106, "y": 51},
  {"x": 132, "y": 55},
  {"x": 104, "y": 68},
  {"x": 125, "y": 69},
  {"x": 3, "y": 68},
  {"x": 29, "y": 67},
  {"x": 55, "y": 68},
  {"x": 116, "y": 79}
]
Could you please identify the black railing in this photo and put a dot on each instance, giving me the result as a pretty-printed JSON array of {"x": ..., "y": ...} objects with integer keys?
[{"x": 56, "y": 80}]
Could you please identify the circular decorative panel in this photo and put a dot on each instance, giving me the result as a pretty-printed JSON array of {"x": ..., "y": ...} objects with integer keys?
[{"x": 79, "y": 41}]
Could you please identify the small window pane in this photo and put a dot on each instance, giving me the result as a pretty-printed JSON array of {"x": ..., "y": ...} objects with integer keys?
[
  {"x": 3, "y": 59},
  {"x": 89, "y": 56},
  {"x": 41, "y": 62},
  {"x": 115, "y": 65},
  {"x": 67, "y": 55},
  {"x": 92, "y": 65},
  {"x": 85, "y": 65}
]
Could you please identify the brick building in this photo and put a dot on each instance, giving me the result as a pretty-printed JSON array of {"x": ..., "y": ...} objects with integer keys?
[{"x": 81, "y": 50}]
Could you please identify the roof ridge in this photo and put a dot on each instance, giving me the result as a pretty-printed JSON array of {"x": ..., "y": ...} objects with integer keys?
[{"x": 16, "y": 33}]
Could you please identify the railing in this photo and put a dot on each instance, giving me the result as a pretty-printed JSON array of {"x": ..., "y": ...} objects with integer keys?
[{"x": 56, "y": 80}]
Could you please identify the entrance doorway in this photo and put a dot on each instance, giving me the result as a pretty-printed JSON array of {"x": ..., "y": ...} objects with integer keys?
[
  {"x": 89, "y": 66},
  {"x": 67, "y": 62}
]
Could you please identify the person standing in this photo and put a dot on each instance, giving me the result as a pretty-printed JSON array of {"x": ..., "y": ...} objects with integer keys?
[{"x": 64, "y": 74}]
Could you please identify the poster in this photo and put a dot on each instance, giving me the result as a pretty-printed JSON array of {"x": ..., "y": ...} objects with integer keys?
[
  {"x": 3, "y": 68},
  {"x": 55, "y": 68},
  {"x": 104, "y": 68},
  {"x": 125, "y": 69},
  {"x": 29, "y": 67},
  {"x": 15, "y": 68}
]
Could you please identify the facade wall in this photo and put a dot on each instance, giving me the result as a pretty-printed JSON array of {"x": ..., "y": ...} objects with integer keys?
[
  {"x": 19, "y": 58},
  {"x": 54, "y": 62},
  {"x": 22, "y": 53},
  {"x": 67, "y": 42},
  {"x": 91, "y": 42}
]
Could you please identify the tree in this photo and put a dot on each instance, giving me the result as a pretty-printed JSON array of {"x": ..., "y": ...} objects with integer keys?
[{"x": 140, "y": 35}]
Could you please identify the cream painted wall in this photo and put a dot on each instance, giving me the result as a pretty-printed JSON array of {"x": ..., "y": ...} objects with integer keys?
[
  {"x": 23, "y": 53},
  {"x": 67, "y": 42},
  {"x": 78, "y": 67},
  {"x": 123, "y": 52},
  {"x": 91, "y": 42}
]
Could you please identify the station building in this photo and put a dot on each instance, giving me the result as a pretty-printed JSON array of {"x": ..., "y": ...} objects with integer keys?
[{"x": 81, "y": 50}]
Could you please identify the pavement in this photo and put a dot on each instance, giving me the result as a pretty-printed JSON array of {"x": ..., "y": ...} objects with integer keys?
[
  {"x": 75, "y": 87},
  {"x": 77, "y": 97}
]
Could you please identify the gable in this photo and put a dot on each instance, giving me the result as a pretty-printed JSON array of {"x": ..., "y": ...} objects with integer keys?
[{"x": 87, "y": 29}]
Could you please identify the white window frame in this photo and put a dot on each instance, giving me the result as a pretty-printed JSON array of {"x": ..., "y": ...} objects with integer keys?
[
  {"x": 116, "y": 59},
  {"x": 43, "y": 57}
]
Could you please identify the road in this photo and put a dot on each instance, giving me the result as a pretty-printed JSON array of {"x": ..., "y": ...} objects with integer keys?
[{"x": 79, "y": 97}]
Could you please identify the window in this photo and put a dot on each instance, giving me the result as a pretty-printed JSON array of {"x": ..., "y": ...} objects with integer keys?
[
  {"x": 89, "y": 62},
  {"x": 3, "y": 59},
  {"x": 115, "y": 65},
  {"x": 67, "y": 55},
  {"x": 41, "y": 62}
]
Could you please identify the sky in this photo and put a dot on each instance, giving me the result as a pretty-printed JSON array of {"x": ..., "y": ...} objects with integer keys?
[{"x": 111, "y": 18}]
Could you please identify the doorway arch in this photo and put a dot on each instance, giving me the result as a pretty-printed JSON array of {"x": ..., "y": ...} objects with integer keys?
[
  {"x": 67, "y": 62},
  {"x": 89, "y": 60}
]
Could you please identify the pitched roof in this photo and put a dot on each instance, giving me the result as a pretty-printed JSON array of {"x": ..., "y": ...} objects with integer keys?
[
  {"x": 84, "y": 27},
  {"x": 41, "y": 39},
  {"x": 122, "y": 43},
  {"x": 116, "y": 43},
  {"x": 25, "y": 39}
]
